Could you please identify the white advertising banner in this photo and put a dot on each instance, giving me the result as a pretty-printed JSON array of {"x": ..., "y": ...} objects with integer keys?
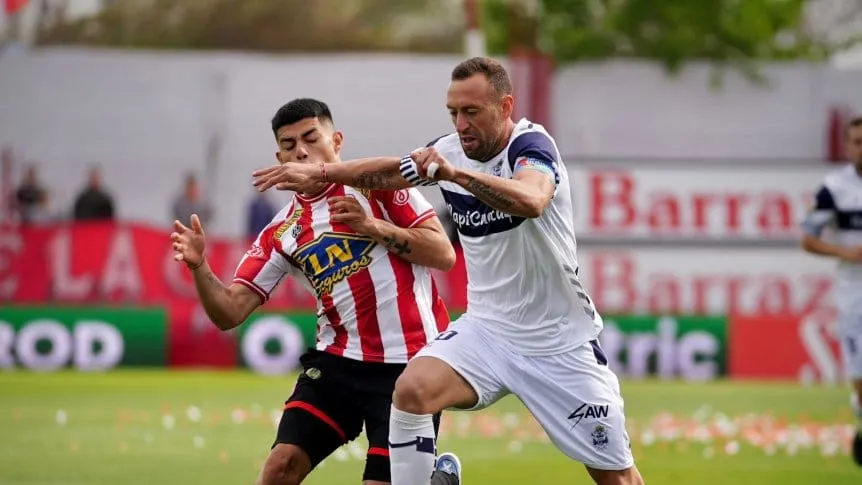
[
  {"x": 694, "y": 203},
  {"x": 677, "y": 280}
]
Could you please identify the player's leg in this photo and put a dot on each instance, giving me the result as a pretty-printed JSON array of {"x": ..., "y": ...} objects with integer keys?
[
  {"x": 856, "y": 400},
  {"x": 377, "y": 466},
  {"x": 454, "y": 371},
  {"x": 577, "y": 400},
  {"x": 318, "y": 418},
  {"x": 850, "y": 330},
  {"x": 375, "y": 401}
]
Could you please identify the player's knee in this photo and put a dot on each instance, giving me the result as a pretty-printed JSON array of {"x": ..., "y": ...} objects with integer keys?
[
  {"x": 414, "y": 394},
  {"x": 286, "y": 465}
]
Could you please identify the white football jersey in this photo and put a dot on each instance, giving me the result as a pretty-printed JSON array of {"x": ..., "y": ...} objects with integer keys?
[
  {"x": 522, "y": 274},
  {"x": 838, "y": 204}
]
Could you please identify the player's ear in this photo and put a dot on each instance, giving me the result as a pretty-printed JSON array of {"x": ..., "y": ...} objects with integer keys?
[
  {"x": 508, "y": 104},
  {"x": 277, "y": 158},
  {"x": 337, "y": 142}
]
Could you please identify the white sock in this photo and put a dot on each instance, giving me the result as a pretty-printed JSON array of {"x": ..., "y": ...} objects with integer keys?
[{"x": 412, "y": 447}]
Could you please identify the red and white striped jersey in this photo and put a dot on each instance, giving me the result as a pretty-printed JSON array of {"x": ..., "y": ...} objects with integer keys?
[{"x": 373, "y": 306}]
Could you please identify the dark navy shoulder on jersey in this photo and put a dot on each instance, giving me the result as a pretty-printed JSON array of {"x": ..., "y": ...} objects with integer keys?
[
  {"x": 434, "y": 141},
  {"x": 846, "y": 218},
  {"x": 824, "y": 201},
  {"x": 539, "y": 148}
]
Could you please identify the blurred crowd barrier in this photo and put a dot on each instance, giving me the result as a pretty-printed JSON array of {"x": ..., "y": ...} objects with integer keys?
[
  {"x": 149, "y": 118},
  {"x": 687, "y": 204}
]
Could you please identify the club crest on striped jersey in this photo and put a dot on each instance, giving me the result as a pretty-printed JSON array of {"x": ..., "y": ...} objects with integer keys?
[
  {"x": 401, "y": 197},
  {"x": 333, "y": 257},
  {"x": 290, "y": 221}
]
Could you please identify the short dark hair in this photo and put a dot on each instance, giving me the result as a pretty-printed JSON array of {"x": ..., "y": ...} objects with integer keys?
[
  {"x": 491, "y": 69},
  {"x": 300, "y": 109},
  {"x": 854, "y": 123}
]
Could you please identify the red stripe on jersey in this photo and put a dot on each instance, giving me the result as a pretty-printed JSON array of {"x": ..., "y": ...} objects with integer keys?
[
  {"x": 441, "y": 313},
  {"x": 423, "y": 217},
  {"x": 412, "y": 328},
  {"x": 408, "y": 310},
  {"x": 306, "y": 235},
  {"x": 339, "y": 342},
  {"x": 364, "y": 300},
  {"x": 256, "y": 259}
]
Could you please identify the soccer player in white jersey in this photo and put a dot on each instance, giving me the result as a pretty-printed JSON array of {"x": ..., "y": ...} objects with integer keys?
[
  {"x": 530, "y": 329},
  {"x": 838, "y": 204},
  {"x": 365, "y": 255}
]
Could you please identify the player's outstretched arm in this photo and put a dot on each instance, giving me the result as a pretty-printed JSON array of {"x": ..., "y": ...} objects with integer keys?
[
  {"x": 425, "y": 244},
  {"x": 815, "y": 245},
  {"x": 526, "y": 194},
  {"x": 380, "y": 173},
  {"x": 226, "y": 306}
]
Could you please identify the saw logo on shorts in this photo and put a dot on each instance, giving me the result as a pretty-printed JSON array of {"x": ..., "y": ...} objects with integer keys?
[
  {"x": 333, "y": 257},
  {"x": 589, "y": 411}
]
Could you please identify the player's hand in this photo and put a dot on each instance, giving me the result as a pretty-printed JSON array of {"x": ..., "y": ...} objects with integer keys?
[
  {"x": 305, "y": 178},
  {"x": 851, "y": 254},
  {"x": 426, "y": 157},
  {"x": 189, "y": 243},
  {"x": 348, "y": 210}
]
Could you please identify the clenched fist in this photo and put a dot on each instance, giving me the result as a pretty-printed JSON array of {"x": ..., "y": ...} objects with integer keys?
[{"x": 431, "y": 165}]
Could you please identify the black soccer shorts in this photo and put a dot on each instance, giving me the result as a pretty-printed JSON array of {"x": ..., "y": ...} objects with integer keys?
[{"x": 334, "y": 396}]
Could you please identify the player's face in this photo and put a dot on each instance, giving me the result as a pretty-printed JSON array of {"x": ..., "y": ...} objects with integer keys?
[
  {"x": 854, "y": 145},
  {"x": 479, "y": 115},
  {"x": 308, "y": 141}
]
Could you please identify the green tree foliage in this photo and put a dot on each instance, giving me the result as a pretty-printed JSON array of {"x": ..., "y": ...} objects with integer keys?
[
  {"x": 267, "y": 25},
  {"x": 729, "y": 33}
]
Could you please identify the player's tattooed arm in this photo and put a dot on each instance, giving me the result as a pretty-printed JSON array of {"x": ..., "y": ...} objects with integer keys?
[
  {"x": 525, "y": 195},
  {"x": 226, "y": 306},
  {"x": 487, "y": 194},
  {"x": 380, "y": 173},
  {"x": 426, "y": 244}
]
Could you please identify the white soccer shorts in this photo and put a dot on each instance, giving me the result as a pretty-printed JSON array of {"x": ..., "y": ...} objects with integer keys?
[
  {"x": 850, "y": 334},
  {"x": 573, "y": 395}
]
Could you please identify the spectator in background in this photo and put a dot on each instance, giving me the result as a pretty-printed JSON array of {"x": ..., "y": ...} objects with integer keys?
[
  {"x": 94, "y": 203},
  {"x": 260, "y": 213},
  {"x": 190, "y": 202},
  {"x": 29, "y": 195},
  {"x": 42, "y": 213}
]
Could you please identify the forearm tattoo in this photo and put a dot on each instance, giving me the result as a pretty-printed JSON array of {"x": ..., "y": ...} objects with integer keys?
[
  {"x": 488, "y": 194},
  {"x": 399, "y": 248},
  {"x": 377, "y": 179}
]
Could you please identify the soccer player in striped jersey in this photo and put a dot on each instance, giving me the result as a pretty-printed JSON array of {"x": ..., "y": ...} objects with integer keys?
[
  {"x": 838, "y": 204},
  {"x": 366, "y": 255},
  {"x": 530, "y": 328}
]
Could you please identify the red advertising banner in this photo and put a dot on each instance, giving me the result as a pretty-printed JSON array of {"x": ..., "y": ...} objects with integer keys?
[
  {"x": 132, "y": 264},
  {"x": 803, "y": 348}
]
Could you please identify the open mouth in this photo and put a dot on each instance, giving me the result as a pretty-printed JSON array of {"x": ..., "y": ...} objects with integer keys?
[{"x": 469, "y": 141}]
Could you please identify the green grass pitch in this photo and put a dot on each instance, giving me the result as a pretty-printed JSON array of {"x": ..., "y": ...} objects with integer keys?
[{"x": 158, "y": 427}]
